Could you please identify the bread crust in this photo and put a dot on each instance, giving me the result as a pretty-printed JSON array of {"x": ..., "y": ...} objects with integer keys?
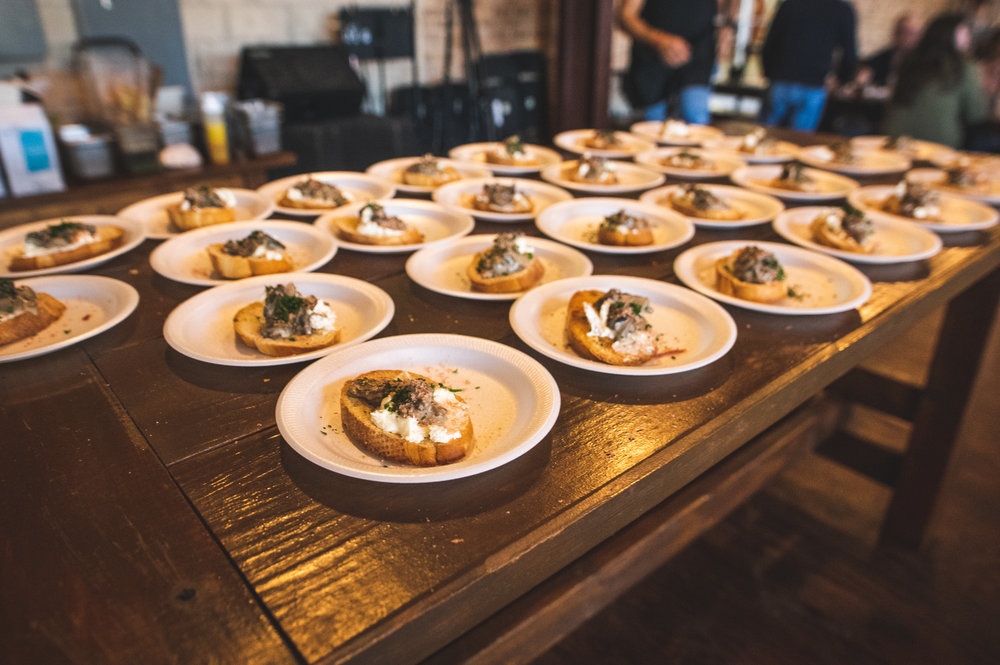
[
  {"x": 347, "y": 228},
  {"x": 195, "y": 218},
  {"x": 594, "y": 348},
  {"x": 28, "y": 323},
  {"x": 521, "y": 207},
  {"x": 445, "y": 175},
  {"x": 493, "y": 157},
  {"x": 728, "y": 284},
  {"x": 682, "y": 206},
  {"x": 107, "y": 238},
  {"x": 518, "y": 281},
  {"x": 247, "y": 324},
  {"x": 238, "y": 267},
  {"x": 824, "y": 235},
  {"x": 627, "y": 238},
  {"x": 358, "y": 425}
]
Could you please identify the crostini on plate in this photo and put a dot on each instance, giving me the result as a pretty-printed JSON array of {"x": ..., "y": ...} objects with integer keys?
[
  {"x": 256, "y": 254},
  {"x": 406, "y": 417},
  {"x": 24, "y": 313},
  {"x": 847, "y": 229},
  {"x": 696, "y": 201},
  {"x": 203, "y": 205},
  {"x": 63, "y": 243},
  {"x": 313, "y": 194},
  {"x": 508, "y": 266},
  {"x": 610, "y": 327},
  {"x": 428, "y": 171},
  {"x": 375, "y": 226},
  {"x": 287, "y": 322},
  {"x": 751, "y": 273},
  {"x": 625, "y": 230}
]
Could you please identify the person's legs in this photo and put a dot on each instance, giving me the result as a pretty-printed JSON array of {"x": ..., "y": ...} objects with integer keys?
[
  {"x": 694, "y": 104},
  {"x": 778, "y": 107},
  {"x": 657, "y": 111},
  {"x": 808, "y": 110}
]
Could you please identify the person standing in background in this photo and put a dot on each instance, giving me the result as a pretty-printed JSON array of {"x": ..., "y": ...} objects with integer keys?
[
  {"x": 673, "y": 54},
  {"x": 938, "y": 92},
  {"x": 880, "y": 68},
  {"x": 798, "y": 57}
]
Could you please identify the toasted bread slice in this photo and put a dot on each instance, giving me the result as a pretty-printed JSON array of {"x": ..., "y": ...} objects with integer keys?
[
  {"x": 446, "y": 174},
  {"x": 29, "y": 323},
  {"x": 107, "y": 238},
  {"x": 730, "y": 214},
  {"x": 230, "y": 266},
  {"x": 247, "y": 323},
  {"x": 728, "y": 284},
  {"x": 624, "y": 237},
  {"x": 194, "y": 218},
  {"x": 596, "y": 348},
  {"x": 838, "y": 239},
  {"x": 518, "y": 281},
  {"x": 356, "y": 417},
  {"x": 347, "y": 228},
  {"x": 494, "y": 157}
]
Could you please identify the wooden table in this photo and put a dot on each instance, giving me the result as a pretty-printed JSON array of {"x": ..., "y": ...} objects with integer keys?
[{"x": 152, "y": 513}]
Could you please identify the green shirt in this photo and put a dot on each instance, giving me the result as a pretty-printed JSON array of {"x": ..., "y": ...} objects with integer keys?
[{"x": 940, "y": 112}]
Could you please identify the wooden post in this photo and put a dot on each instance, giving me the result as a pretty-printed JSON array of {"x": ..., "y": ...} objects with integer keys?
[{"x": 584, "y": 64}]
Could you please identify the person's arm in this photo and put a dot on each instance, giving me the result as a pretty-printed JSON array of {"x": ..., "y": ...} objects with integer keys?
[{"x": 673, "y": 49}]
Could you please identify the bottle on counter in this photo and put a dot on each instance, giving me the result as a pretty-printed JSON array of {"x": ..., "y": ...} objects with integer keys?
[{"x": 213, "y": 113}]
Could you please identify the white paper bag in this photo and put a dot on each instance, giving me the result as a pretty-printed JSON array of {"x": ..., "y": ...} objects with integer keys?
[{"x": 28, "y": 151}]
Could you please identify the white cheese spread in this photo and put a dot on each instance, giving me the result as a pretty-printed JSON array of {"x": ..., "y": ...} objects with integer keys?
[
  {"x": 82, "y": 238},
  {"x": 322, "y": 318}
]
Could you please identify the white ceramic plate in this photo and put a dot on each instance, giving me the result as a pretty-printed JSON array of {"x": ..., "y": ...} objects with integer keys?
[
  {"x": 184, "y": 258},
  {"x": 575, "y": 223},
  {"x": 867, "y": 162},
  {"x": 459, "y": 194},
  {"x": 783, "y": 152},
  {"x": 724, "y": 163},
  {"x": 93, "y": 304},
  {"x": 436, "y": 222},
  {"x": 442, "y": 268},
  {"x": 574, "y": 140},
  {"x": 894, "y": 241},
  {"x": 698, "y": 134},
  {"x": 694, "y": 331},
  {"x": 12, "y": 238},
  {"x": 832, "y": 186},
  {"x": 513, "y": 402},
  {"x": 984, "y": 161},
  {"x": 916, "y": 149},
  {"x": 357, "y": 186},
  {"x": 201, "y": 327},
  {"x": 476, "y": 154},
  {"x": 758, "y": 208},
  {"x": 957, "y": 214},
  {"x": 392, "y": 170},
  {"x": 152, "y": 212},
  {"x": 631, "y": 178},
  {"x": 826, "y": 285},
  {"x": 988, "y": 193}
]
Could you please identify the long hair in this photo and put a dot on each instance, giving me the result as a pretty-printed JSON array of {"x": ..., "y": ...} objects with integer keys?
[{"x": 934, "y": 59}]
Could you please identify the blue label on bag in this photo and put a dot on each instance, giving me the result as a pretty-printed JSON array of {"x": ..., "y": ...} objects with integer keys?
[{"x": 36, "y": 157}]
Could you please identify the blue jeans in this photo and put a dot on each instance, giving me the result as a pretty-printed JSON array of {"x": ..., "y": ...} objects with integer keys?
[
  {"x": 795, "y": 105},
  {"x": 694, "y": 106}
]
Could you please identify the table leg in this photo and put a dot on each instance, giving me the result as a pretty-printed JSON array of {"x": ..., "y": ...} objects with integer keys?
[{"x": 952, "y": 374}]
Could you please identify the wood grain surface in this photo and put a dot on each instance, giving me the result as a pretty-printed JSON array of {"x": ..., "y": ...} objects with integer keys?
[{"x": 163, "y": 474}]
